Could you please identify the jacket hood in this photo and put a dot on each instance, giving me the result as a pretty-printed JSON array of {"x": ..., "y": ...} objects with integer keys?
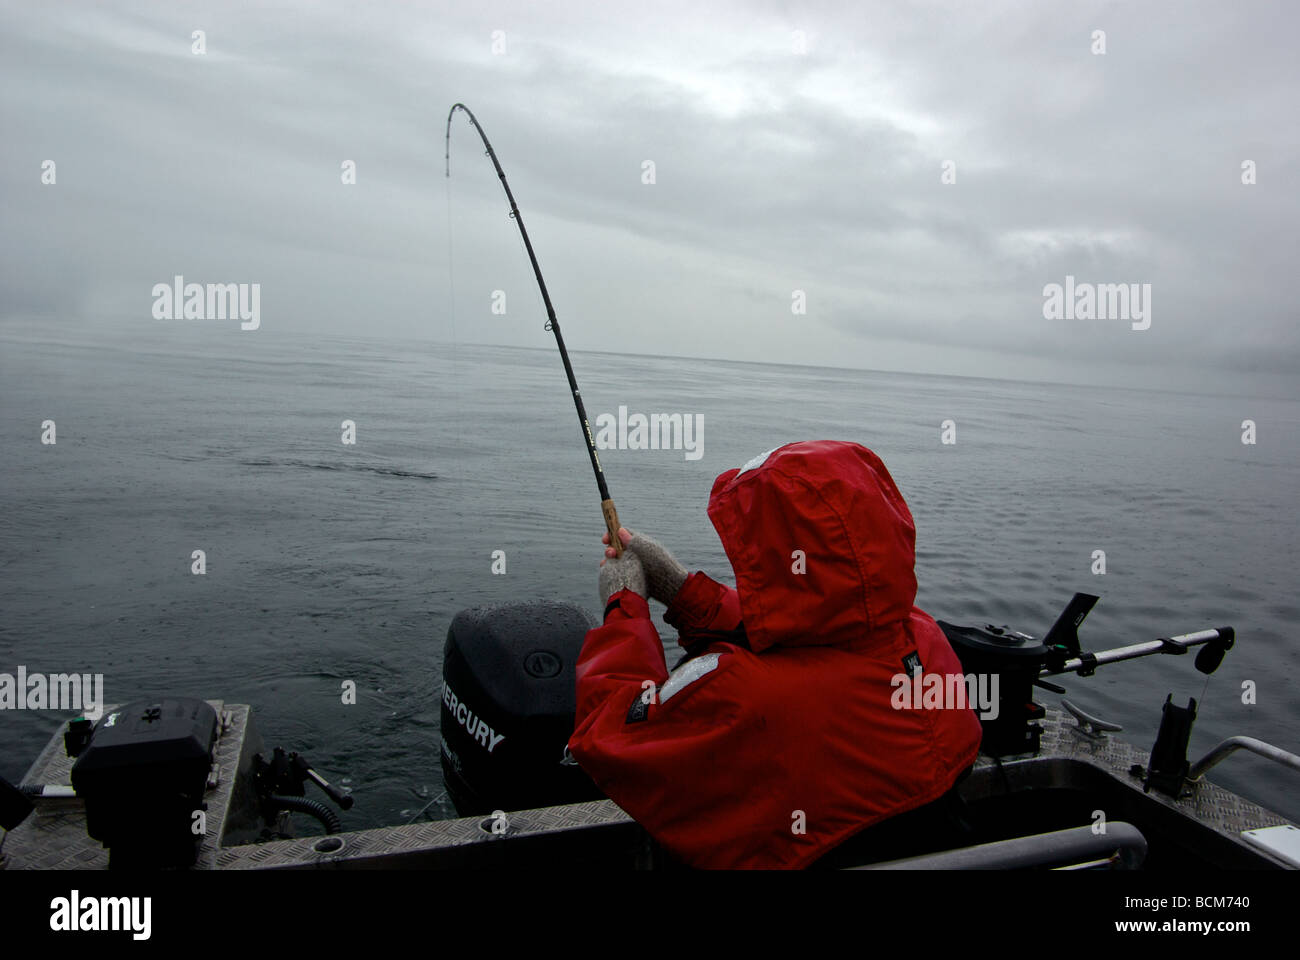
[{"x": 821, "y": 542}]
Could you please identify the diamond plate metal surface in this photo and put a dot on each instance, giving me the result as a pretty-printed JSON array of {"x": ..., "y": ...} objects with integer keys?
[
  {"x": 54, "y": 838},
  {"x": 1208, "y": 804},
  {"x": 381, "y": 842}
]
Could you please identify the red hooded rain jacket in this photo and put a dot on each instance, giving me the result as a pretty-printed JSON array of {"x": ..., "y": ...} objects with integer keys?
[{"x": 778, "y": 739}]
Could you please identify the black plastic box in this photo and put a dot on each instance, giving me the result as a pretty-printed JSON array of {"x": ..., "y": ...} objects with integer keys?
[{"x": 142, "y": 778}]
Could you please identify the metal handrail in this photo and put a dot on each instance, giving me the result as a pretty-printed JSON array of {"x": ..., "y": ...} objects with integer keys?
[
  {"x": 1121, "y": 845},
  {"x": 1087, "y": 662},
  {"x": 1232, "y": 745}
]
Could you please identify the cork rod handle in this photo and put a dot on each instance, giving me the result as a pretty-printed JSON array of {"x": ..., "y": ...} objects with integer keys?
[{"x": 612, "y": 525}]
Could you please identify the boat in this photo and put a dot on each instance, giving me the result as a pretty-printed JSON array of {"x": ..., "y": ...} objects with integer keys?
[{"x": 1053, "y": 788}]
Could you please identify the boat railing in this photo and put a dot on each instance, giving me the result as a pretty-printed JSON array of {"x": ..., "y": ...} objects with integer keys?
[
  {"x": 1232, "y": 745},
  {"x": 1122, "y": 846}
]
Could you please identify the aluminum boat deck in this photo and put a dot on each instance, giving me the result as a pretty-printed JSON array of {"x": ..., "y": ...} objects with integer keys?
[{"x": 1073, "y": 774}]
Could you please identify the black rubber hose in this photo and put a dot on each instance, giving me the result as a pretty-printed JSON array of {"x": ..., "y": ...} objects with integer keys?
[{"x": 328, "y": 818}]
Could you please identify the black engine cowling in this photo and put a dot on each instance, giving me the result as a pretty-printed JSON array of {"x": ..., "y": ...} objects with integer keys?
[{"x": 508, "y": 706}]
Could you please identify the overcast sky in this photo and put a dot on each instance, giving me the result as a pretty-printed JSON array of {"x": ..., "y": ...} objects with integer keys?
[{"x": 775, "y": 170}]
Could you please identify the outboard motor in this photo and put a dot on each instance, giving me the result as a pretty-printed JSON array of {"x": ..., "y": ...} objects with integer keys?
[{"x": 508, "y": 706}]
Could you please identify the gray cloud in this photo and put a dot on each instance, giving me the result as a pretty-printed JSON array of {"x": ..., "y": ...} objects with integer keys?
[{"x": 775, "y": 172}]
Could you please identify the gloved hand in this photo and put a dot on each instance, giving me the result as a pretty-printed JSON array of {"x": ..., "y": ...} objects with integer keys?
[
  {"x": 664, "y": 575},
  {"x": 620, "y": 573}
]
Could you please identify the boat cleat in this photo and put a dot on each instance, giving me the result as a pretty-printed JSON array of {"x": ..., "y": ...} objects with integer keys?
[{"x": 1090, "y": 727}]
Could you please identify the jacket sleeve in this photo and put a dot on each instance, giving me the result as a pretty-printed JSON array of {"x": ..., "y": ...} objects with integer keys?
[
  {"x": 705, "y": 610},
  {"x": 656, "y": 757},
  {"x": 618, "y": 658},
  {"x": 626, "y": 652}
]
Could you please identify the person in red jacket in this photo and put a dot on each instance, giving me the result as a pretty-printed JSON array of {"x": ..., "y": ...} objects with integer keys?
[{"x": 777, "y": 738}]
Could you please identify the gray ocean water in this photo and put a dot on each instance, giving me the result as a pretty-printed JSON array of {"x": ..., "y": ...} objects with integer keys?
[{"x": 328, "y": 563}]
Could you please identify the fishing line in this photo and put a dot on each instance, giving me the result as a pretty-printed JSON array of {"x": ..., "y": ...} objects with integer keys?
[
  {"x": 553, "y": 326},
  {"x": 438, "y": 799},
  {"x": 455, "y": 352}
]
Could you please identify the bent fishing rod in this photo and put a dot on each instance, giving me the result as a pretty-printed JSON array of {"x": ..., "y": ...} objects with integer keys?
[{"x": 553, "y": 325}]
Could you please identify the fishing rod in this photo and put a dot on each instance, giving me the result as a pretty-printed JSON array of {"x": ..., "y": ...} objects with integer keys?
[{"x": 553, "y": 325}]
